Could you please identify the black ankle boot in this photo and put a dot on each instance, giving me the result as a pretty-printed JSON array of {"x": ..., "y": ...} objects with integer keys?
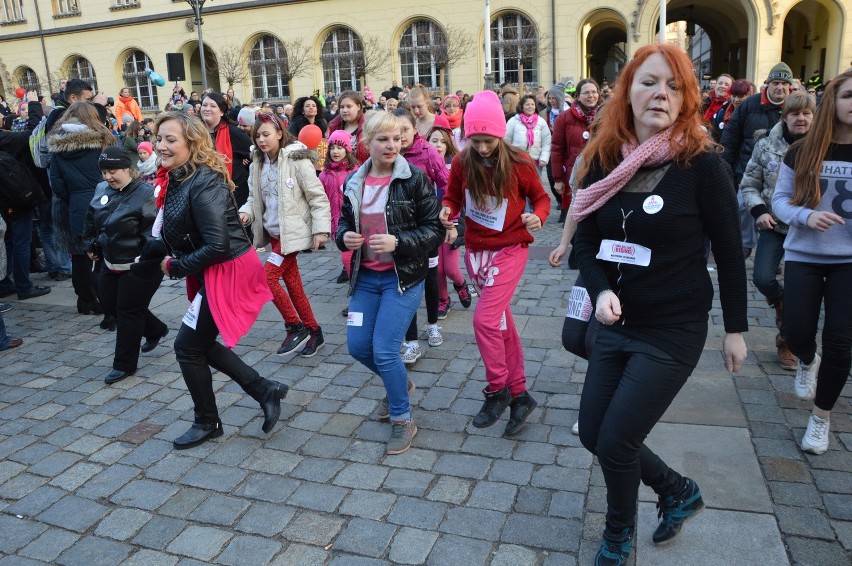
[
  {"x": 494, "y": 405},
  {"x": 270, "y": 403},
  {"x": 519, "y": 409},
  {"x": 675, "y": 510},
  {"x": 197, "y": 434}
]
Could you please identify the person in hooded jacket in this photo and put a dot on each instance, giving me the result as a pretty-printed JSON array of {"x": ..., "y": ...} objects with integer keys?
[
  {"x": 126, "y": 104},
  {"x": 76, "y": 143}
]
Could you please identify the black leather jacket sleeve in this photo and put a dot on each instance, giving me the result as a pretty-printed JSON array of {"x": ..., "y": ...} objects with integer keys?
[
  {"x": 427, "y": 232},
  {"x": 208, "y": 203}
]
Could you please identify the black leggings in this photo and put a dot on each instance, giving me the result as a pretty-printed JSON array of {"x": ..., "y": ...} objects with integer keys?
[
  {"x": 197, "y": 351},
  {"x": 431, "y": 293},
  {"x": 629, "y": 385},
  {"x": 806, "y": 286},
  {"x": 84, "y": 278}
]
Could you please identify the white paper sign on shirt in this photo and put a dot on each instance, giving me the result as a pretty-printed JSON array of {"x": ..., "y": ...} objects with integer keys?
[
  {"x": 624, "y": 252},
  {"x": 579, "y": 304},
  {"x": 490, "y": 216},
  {"x": 191, "y": 317},
  {"x": 275, "y": 259}
]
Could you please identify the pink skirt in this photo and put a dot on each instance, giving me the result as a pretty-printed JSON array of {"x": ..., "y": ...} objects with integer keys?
[{"x": 236, "y": 291}]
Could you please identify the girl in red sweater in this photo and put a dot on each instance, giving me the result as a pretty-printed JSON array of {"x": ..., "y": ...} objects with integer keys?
[{"x": 492, "y": 181}]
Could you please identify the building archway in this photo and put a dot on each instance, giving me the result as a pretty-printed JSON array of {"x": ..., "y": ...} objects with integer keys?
[
  {"x": 603, "y": 51},
  {"x": 810, "y": 27},
  {"x": 192, "y": 61}
]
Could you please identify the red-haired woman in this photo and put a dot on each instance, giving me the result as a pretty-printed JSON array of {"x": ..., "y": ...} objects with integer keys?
[
  {"x": 739, "y": 91},
  {"x": 652, "y": 186},
  {"x": 350, "y": 118}
]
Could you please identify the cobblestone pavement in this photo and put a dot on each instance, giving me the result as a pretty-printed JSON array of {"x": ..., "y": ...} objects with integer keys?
[{"x": 88, "y": 475}]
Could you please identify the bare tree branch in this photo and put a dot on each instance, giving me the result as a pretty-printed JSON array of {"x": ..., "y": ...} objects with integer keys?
[
  {"x": 299, "y": 60},
  {"x": 231, "y": 64},
  {"x": 374, "y": 60},
  {"x": 456, "y": 47}
]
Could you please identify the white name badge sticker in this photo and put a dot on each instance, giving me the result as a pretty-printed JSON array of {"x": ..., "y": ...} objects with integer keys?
[
  {"x": 433, "y": 262},
  {"x": 191, "y": 317},
  {"x": 104, "y": 199},
  {"x": 490, "y": 216},
  {"x": 579, "y": 304},
  {"x": 624, "y": 252},
  {"x": 503, "y": 325},
  {"x": 157, "y": 190},
  {"x": 275, "y": 259},
  {"x": 355, "y": 319},
  {"x": 653, "y": 204}
]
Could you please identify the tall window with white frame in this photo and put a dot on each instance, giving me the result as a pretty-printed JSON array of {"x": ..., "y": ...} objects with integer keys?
[
  {"x": 269, "y": 70},
  {"x": 81, "y": 68},
  {"x": 28, "y": 79},
  {"x": 65, "y": 8},
  {"x": 341, "y": 50},
  {"x": 135, "y": 77},
  {"x": 418, "y": 48},
  {"x": 514, "y": 44},
  {"x": 12, "y": 11}
]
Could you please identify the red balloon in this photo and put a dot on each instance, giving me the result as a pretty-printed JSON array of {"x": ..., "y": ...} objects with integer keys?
[
  {"x": 311, "y": 136},
  {"x": 20, "y": 92}
]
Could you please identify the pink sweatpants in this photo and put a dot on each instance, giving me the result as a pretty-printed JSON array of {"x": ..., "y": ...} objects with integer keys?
[
  {"x": 495, "y": 274},
  {"x": 448, "y": 266}
]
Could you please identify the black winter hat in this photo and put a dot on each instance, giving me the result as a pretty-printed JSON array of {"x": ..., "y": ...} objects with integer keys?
[{"x": 114, "y": 157}]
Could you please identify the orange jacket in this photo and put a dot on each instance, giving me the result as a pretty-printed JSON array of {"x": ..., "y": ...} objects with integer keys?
[{"x": 127, "y": 105}]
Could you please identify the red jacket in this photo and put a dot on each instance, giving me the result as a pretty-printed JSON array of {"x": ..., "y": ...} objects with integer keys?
[
  {"x": 566, "y": 144},
  {"x": 525, "y": 184}
]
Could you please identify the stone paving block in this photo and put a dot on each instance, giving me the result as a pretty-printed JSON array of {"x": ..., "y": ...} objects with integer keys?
[
  {"x": 9, "y": 470},
  {"x": 318, "y": 497},
  {"x": 265, "y": 519},
  {"x": 170, "y": 468},
  {"x": 271, "y": 461},
  {"x": 749, "y": 538},
  {"x": 219, "y": 510},
  {"x": 74, "y": 513},
  {"x": 783, "y": 469},
  {"x": 496, "y": 448},
  {"x": 512, "y": 555},
  {"x": 33, "y": 453},
  {"x": 476, "y": 523},
  {"x": 36, "y": 501},
  {"x": 144, "y": 494},
  {"x": 183, "y": 502},
  {"x": 17, "y": 533},
  {"x": 415, "y": 512},
  {"x": 122, "y": 524},
  {"x": 87, "y": 445},
  {"x": 20, "y": 486},
  {"x": 49, "y": 545},
  {"x": 566, "y": 504},
  {"x": 557, "y": 477},
  {"x": 249, "y": 551},
  {"x": 413, "y": 459},
  {"x": 110, "y": 453},
  {"x": 838, "y": 506},
  {"x": 318, "y": 470},
  {"x": 550, "y": 533},
  {"x": 532, "y": 500},
  {"x": 146, "y": 557},
  {"x": 795, "y": 494},
  {"x": 267, "y": 487},
  {"x": 833, "y": 481},
  {"x": 511, "y": 471},
  {"x": 407, "y": 482},
  {"x": 806, "y": 522},
  {"x": 412, "y": 546},
  {"x": 301, "y": 555},
  {"x": 148, "y": 453},
  {"x": 351, "y": 560},
  {"x": 494, "y": 496},
  {"x": 844, "y": 533},
  {"x": 94, "y": 551},
  {"x": 461, "y": 465},
  {"x": 313, "y": 528},
  {"x": 367, "y": 504},
  {"x": 536, "y": 453},
  {"x": 450, "y": 549},
  {"x": 362, "y": 536},
  {"x": 574, "y": 458},
  {"x": 324, "y": 446},
  {"x": 75, "y": 476},
  {"x": 363, "y": 476},
  {"x": 159, "y": 532},
  {"x": 215, "y": 477},
  {"x": 201, "y": 543}
]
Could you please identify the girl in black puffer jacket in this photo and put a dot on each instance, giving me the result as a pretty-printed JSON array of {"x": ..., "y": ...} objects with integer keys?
[{"x": 390, "y": 219}]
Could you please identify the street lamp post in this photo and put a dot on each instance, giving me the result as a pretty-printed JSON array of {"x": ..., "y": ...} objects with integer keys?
[
  {"x": 197, "y": 5},
  {"x": 489, "y": 76}
]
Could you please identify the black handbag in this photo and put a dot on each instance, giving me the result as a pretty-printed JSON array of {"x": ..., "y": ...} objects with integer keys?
[{"x": 580, "y": 327}]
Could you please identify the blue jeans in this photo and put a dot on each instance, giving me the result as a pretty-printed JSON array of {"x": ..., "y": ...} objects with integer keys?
[
  {"x": 54, "y": 260},
  {"x": 4, "y": 338},
  {"x": 767, "y": 258},
  {"x": 19, "y": 237},
  {"x": 376, "y": 298}
]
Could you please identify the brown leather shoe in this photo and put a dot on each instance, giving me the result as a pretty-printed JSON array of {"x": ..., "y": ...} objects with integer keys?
[
  {"x": 13, "y": 343},
  {"x": 785, "y": 357}
]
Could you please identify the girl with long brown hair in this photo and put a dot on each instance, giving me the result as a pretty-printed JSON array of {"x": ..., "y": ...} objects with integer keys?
[
  {"x": 812, "y": 196},
  {"x": 652, "y": 186}
]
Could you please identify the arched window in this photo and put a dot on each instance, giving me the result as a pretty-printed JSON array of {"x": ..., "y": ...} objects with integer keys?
[
  {"x": 419, "y": 53},
  {"x": 135, "y": 78},
  {"x": 269, "y": 69},
  {"x": 342, "y": 54},
  {"x": 81, "y": 68},
  {"x": 28, "y": 79},
  {"x": 514, "y": 44}
]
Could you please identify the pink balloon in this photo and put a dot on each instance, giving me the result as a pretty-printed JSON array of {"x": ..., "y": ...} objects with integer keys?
[{"x": 311, "y": 136}]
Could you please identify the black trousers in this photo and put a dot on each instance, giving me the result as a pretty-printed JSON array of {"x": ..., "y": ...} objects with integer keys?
[
  {"x": 83, "y": 279},
  {"x": 431, "y": 292},
  {"x": 806, "y": 287},
  {"x": 197, "y": 351},
  {"x": 629, "y": 385},
  {"x": 126, "y": 296}
]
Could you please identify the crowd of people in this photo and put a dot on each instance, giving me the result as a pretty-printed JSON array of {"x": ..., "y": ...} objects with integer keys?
[{"x": 650, "y": 176}]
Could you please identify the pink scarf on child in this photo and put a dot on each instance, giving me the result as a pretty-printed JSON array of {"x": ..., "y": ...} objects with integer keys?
[
  {"x": 529, "y": 122},
  {"x": 656, "y": 150}
]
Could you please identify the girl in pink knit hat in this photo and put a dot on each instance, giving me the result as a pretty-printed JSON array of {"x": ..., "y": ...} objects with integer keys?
[
  {"x": 492, "y": 182},
  {"x": 339, "y": 164}
]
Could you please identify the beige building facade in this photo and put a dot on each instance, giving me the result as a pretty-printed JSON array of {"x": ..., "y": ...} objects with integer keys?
[{"x": 275, "y": 50}]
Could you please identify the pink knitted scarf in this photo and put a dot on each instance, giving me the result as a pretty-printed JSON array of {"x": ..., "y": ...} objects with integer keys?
[
  {"x": 530, "y": 122},
  {"x": 656, "y": 150}
]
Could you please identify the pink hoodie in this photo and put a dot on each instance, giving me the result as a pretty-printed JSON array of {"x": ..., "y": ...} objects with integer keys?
[{"x": 422, "y": 155}]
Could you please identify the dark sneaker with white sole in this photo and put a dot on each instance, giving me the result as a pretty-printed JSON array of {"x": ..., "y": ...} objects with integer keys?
[
  {"x": 297, "y": 336},
  {"x": 315, "y": 341}
]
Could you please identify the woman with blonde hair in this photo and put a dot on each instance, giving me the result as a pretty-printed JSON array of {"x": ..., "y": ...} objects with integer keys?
[
  {"x": 420, "y": 105},
  {"x": 653, "y": 186},
  {"x": 204, "y": 241},
  {"x": 812, "y": 197}
]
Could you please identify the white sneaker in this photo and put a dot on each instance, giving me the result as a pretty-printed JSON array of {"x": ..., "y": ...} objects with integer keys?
[
  {"x": 435, "y": 338},
  {"x": 815, "y": 440},
  {"x": 411, "y": 354},
  {"x": 806, "y": 377},
  {"x": 576, "y": 428}
]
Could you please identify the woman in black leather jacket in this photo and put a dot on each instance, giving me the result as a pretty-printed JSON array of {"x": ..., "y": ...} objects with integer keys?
[
  {"x": 119, "y": 223},
  {"x": 206, "y": 243},
  {"x": 390, "y": 219}
]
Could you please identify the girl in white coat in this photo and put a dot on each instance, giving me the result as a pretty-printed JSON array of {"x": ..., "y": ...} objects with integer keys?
[{"x": 529, "y": 132}]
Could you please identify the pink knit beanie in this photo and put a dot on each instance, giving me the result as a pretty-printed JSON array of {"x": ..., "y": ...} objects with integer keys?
[
  {"x": 341, "y": 137},
  {"x": 484, "y": 115},
  {"x": 146, "y": 146}
]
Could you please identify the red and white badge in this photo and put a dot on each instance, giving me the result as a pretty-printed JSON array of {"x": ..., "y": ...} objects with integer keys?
[{"x": 653, "y": 204}]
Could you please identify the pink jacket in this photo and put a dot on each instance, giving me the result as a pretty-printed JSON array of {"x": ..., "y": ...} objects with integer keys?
[
  {"x": 423, "y": 156},
  {"x": 332, "y": 178}
]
